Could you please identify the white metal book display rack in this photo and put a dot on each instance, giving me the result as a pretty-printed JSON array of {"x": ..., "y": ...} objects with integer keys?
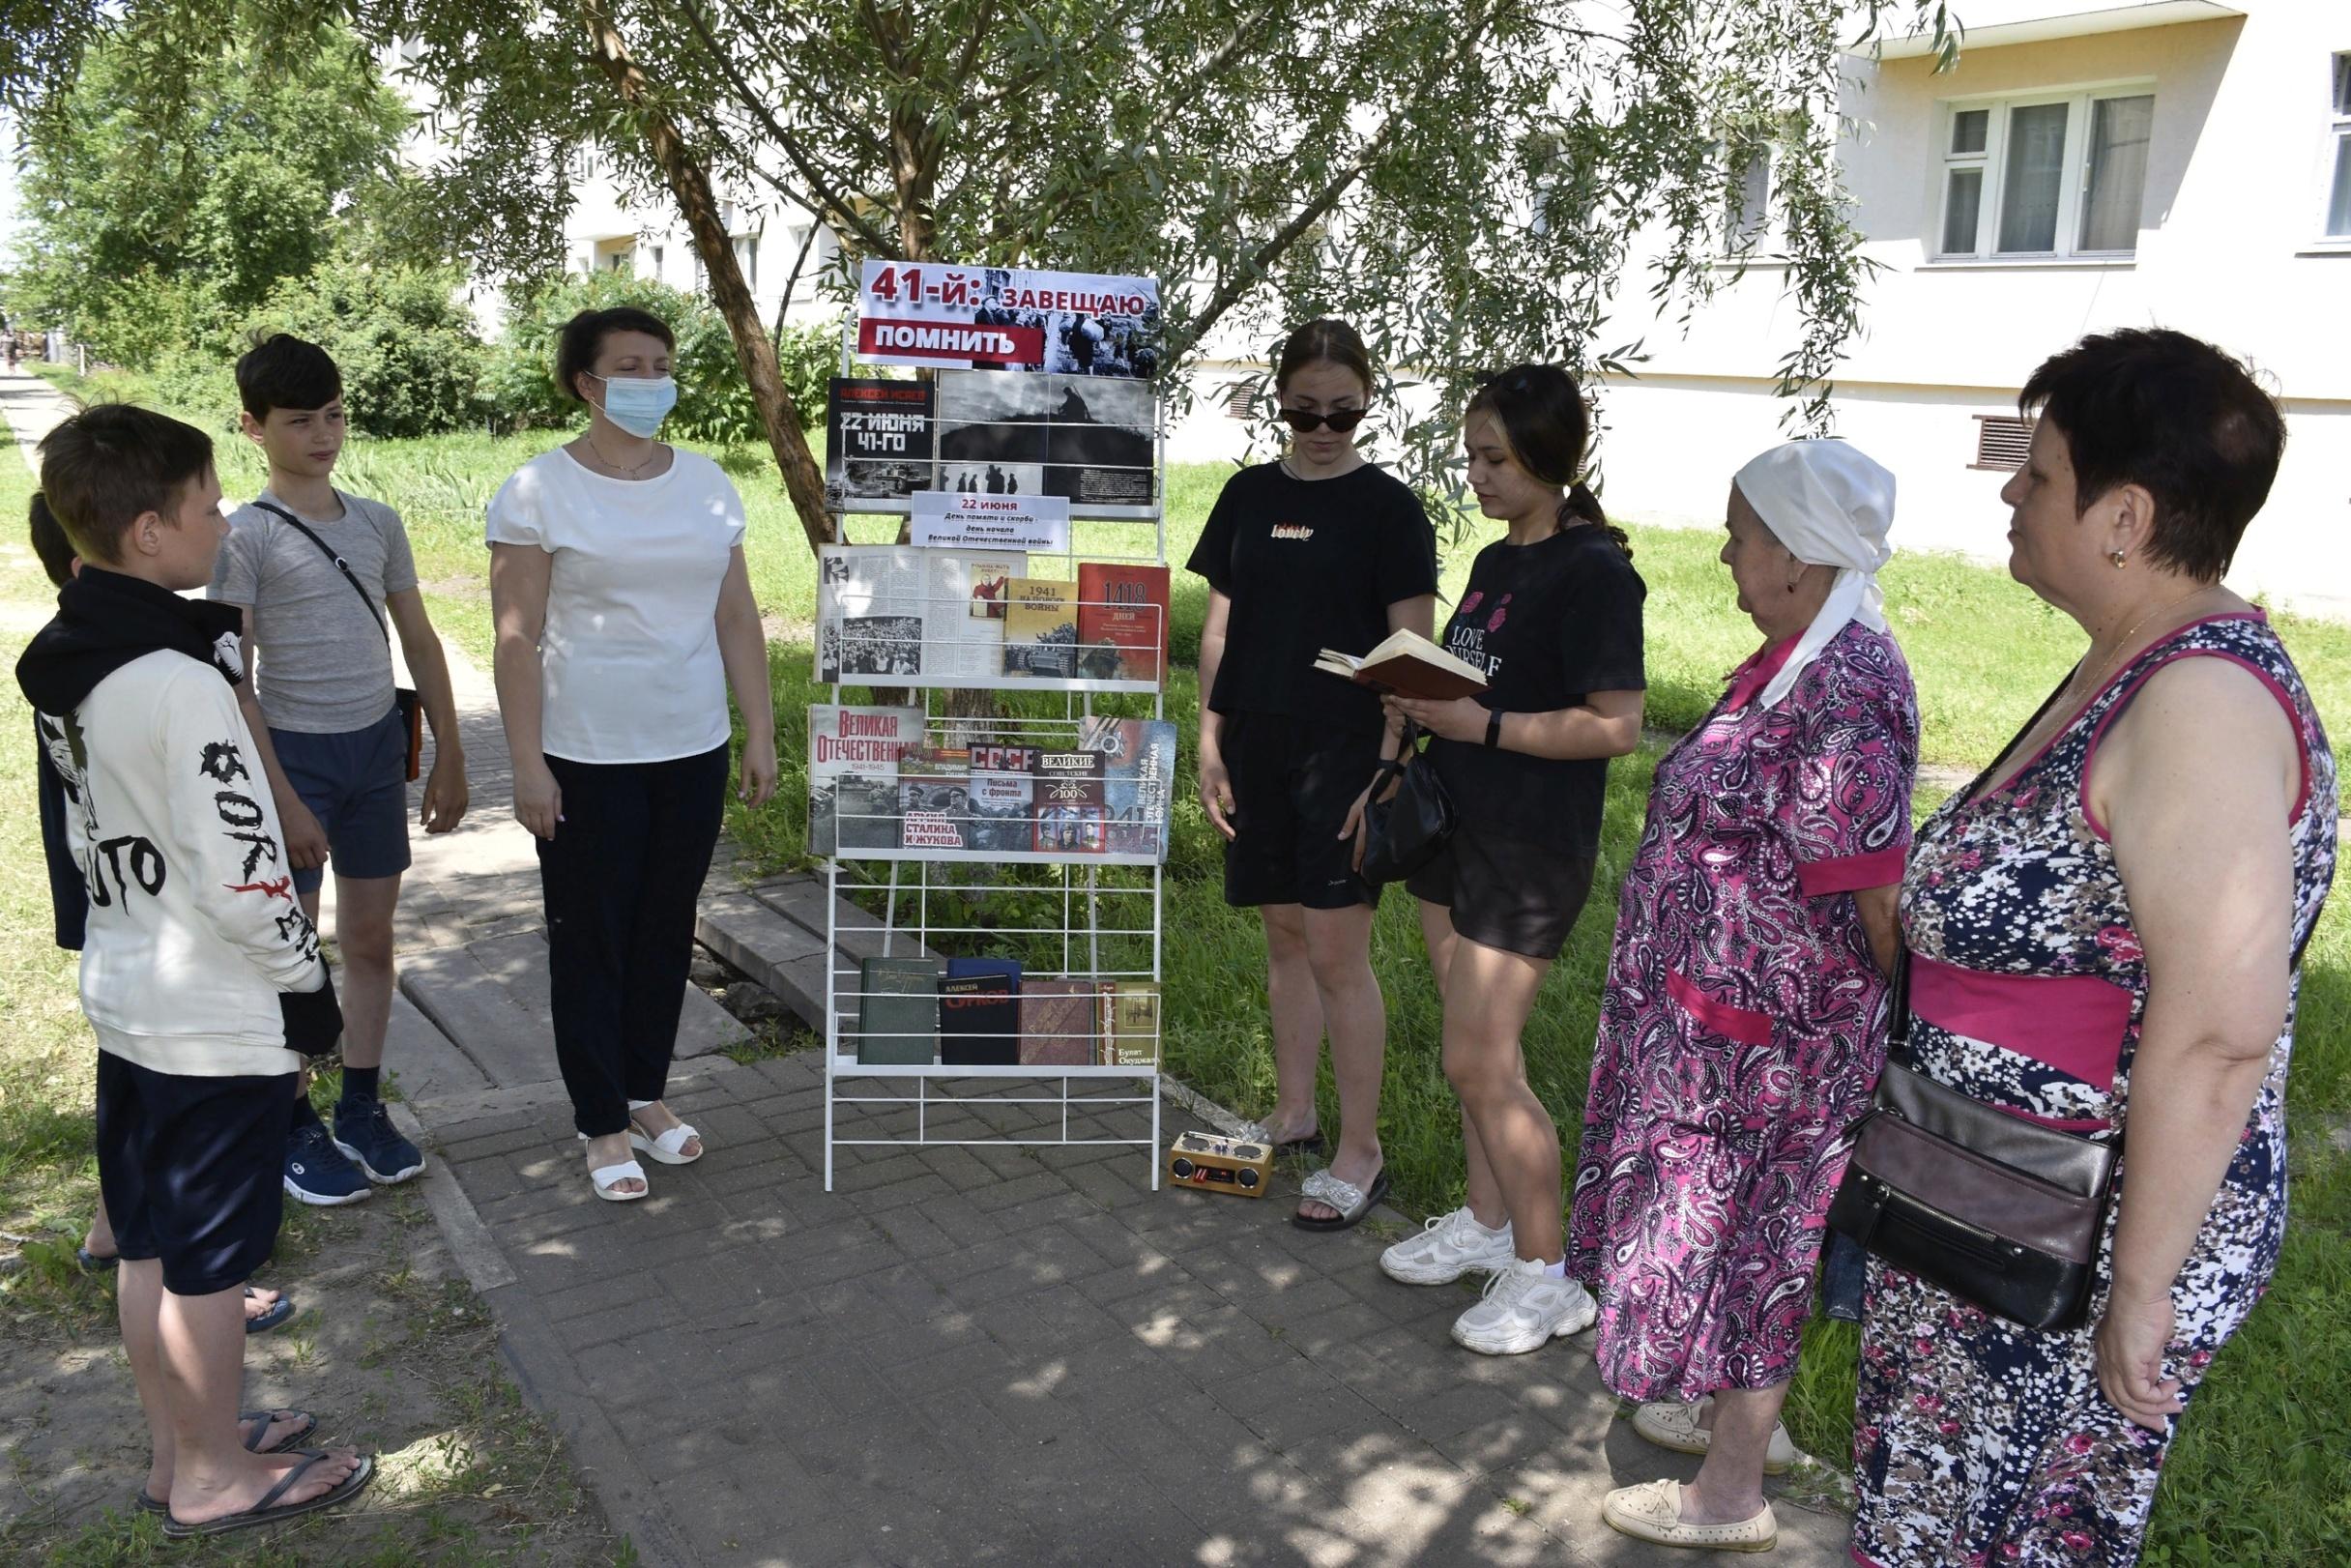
[{"x": 965, "y": 855}]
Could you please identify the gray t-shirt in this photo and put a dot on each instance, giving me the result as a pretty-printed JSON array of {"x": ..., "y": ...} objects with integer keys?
[{"x": 324, "y": 668}]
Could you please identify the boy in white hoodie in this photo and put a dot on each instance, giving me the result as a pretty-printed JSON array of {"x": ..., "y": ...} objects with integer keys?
[{"x": 198, "y": 970}]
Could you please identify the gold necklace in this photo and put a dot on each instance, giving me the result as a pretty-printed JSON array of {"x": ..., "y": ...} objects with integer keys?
[
  {"x": 2107, "y": 667},
  {"x": 618, "y": 469}
]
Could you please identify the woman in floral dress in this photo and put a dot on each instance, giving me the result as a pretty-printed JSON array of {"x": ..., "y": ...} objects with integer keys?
[
  {"x": 1743, "y": 1024},
  {"x": 2103, "y": 932}
]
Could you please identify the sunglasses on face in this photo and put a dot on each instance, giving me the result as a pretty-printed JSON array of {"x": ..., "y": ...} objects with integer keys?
[{"x": 1339, "y": 419}]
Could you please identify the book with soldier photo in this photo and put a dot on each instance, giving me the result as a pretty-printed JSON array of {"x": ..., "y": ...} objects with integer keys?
[
  {"x": 847, "y": 746},
  {"x": 1138, "y": 780},
  {"x": 880, "y": 442},
  {"x": 934, "y": 797},
  {"x": 1004, "y": 797},
  {"x": 1070, "y": 819},
  {"x": 1040, "y": 627}
]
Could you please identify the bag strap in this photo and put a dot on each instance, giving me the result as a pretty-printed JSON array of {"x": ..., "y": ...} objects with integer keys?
[
  {"x": 1392, "y": 768},
  {"x": 340, "y": 565}
]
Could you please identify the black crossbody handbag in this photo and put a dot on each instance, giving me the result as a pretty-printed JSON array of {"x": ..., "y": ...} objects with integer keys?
[
  {"x": 403, "y": 698},
  {"x": 2000, "y": 1210},
  {"x": 1408, "y": 829}
]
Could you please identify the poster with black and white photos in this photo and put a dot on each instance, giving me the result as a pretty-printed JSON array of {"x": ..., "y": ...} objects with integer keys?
[
  {"x": 888, "y": 612},
  {"x": 1087, "y": 439},
  {"x": 879, "y": 444}
]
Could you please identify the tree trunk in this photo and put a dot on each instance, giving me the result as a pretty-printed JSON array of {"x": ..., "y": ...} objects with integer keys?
[{"x": 690, "y": 183}]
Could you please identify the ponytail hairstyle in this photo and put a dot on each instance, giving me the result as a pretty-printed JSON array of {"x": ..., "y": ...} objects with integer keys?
[
  {"x": 1323, "y": 340},
  {"x": 1543, "y": 419},
  {"x": 49, "y": 541}
]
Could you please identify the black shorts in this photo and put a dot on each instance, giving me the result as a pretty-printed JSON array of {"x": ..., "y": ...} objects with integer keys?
[
  {"x": 1292, "y": 782},
  {"x": 1508, "y": 893},
  {"x": 191, "y": 1170}
]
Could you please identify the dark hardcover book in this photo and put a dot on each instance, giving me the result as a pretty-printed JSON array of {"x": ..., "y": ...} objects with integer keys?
[
  {"x": 898, "y": 1011},
  {"x": 979, "y": 1021},
  {"x": 1060, "y": 1020}
]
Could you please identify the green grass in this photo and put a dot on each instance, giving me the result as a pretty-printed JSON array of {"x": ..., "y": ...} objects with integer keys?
[{"x": 2258, "y": 1474}]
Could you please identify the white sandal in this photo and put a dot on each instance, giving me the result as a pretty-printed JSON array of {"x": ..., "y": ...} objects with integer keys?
[
  {"x": 607, "y": 1179},
  {"x": 665, "y": 1148}
]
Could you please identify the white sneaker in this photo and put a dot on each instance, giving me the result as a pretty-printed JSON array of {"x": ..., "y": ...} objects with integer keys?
[
  {"x": 1448, "y": 1247},
  {"x": 1523, "y": 1309}
]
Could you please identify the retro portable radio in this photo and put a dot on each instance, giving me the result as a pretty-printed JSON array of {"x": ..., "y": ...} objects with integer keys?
[{"x": 1214, "y": 1164}]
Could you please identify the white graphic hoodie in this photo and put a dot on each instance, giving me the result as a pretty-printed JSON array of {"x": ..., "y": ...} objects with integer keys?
[{"x": 194, "y": 931}]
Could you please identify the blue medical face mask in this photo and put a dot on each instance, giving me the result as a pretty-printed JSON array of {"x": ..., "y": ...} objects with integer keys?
[{"x": 638, "y": 404}]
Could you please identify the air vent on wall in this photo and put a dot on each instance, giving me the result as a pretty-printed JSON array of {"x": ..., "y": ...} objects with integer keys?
[
  {"x": 1237, "y": 399},
  {"x": 2001, "y": 441}
]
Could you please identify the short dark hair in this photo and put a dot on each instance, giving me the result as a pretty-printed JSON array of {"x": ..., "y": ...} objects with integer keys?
[
  {"x": 108, "y": 466},
  {"x": 284, "y": 371},
  {"x": 1324, "y": 340},
  {"x": 583, "y": 336},
  {"x": 2176, "y": 415},
  {"x": 49, "y": 541}
]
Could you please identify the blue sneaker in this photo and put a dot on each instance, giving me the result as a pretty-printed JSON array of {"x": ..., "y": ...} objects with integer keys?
[
  {"x": 363, "y": 1130},
  {"x": 316, "y": 1171}
]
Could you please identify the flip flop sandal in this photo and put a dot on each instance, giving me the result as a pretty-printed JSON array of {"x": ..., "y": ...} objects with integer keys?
[
  {"x": 665, "y": 1148},
  {"x": 1351, "y": 1200},
  {"x": 263, "y": 1513},
  {"x": 304, "y": 1423},
  {"x": 93, "y": 1262},
  {"x": 147, "y": 1502},
  {"x": 280, "y": 1311},
  {"x": 1255, "y": 1132}
]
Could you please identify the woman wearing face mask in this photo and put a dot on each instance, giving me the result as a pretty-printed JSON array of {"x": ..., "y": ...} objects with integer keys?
[
  {"x": 623, "y": 612},
  {"x": 1321, "y": 549}
]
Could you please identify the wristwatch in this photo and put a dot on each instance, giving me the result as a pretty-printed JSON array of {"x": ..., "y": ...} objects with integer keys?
[{"x": 1493, "y": 730}]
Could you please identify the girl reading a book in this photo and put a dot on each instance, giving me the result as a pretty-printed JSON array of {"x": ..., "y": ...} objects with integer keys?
[
  {"x": 1321, "y": 549},
  {"x": 1552, "y": 616}
]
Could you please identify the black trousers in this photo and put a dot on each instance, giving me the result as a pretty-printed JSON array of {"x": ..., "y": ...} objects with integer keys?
[{"x": 621, "y": 876}]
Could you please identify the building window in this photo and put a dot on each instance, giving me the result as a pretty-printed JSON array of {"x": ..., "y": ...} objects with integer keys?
[
  {"x": 1747, "y": 207},
  {"x": 2060, "y": 175},
  {"x": 2002, "y": 440},
  {"x": 2339, "y": 153},
  {"x": 658, "y": 253},
  {"x": 746, "y": 261}
]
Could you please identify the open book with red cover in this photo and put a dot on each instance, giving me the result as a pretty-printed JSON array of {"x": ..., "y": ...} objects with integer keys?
[{"x": 1407, "y": 662}]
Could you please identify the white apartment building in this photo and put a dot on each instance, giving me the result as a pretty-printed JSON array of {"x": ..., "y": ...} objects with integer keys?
[{"x": 2088, "y": 164}]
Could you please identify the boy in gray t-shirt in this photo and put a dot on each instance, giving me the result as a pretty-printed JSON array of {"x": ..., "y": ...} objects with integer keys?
[{"x": 322, "y": 578}]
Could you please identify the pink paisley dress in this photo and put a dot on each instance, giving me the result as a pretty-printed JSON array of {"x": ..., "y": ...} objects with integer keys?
[
  {"x": 1742, "y": 1027},
  {"x": 1979, "y": 1443}
]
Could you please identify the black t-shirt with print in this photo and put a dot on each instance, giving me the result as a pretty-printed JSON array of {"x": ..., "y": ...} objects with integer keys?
[
  {"x": 1309, "y": 564},
  {"x": 1549, "y": 623}
]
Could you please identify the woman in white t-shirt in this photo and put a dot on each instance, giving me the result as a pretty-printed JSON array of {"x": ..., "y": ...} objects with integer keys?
[{"x": 625, "y": 612}]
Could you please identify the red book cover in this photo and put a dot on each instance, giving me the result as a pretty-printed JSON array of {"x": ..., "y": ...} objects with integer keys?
[{"x": 1122, "y": 622}]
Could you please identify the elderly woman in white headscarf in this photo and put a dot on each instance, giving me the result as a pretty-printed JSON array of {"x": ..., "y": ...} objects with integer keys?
[{"x": 1743, "y": 1024}]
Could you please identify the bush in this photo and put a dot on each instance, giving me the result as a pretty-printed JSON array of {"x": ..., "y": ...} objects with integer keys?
[
  {"x": 713, "y": 401},
  {"x": 402, "y": 338}
]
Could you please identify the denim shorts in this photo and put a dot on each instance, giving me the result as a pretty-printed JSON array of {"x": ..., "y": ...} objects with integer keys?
[{"x": 356, "y": 784}]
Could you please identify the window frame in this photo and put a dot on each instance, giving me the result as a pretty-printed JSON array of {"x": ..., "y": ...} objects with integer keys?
[
  {"x": 2072, "y": 191},
  {"x": 2335, "y": 145}
]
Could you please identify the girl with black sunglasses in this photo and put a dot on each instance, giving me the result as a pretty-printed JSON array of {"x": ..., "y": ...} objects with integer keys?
[{"x": 1321, "y": 549}]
